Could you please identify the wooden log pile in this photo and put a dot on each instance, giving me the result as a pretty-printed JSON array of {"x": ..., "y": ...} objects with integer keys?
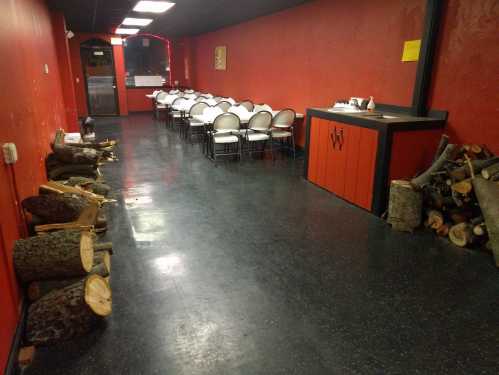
[
  {"x": 67, "y": 283},
  {"x": 457, "y": 197},
  {"x": 77, "y": 159},
  {"x": 66, "y": 273}
]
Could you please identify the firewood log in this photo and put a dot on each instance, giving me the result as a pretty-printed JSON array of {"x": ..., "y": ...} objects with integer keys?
[
  {"x": 435, "y": 219},
  {"x": 104, "y": 246},
  {"x": 460, "y": 214},
  {"x": 464, "y": 172},
  {"x": 444, "y": 141},
  {"x": 63, "y": 171},
  {"x": 490, "y": 171},
  {"x": 462, "y": 187},
  {"x": 487, "y": 193},
  {"x": 56, "y": 208},
  {"x": 443, "y": 230},
  {"x": 461, "y": 234},
  {"x": 405, "y": 206},
  {"x": 425, "y": 177},
  {"x": 76, "y": 155},
  {"x": 54, "y": 255},
  {"x": 103, "y": 257},
  {"x": 70, "y": 312},
  {"x": 91, "y": 184}
]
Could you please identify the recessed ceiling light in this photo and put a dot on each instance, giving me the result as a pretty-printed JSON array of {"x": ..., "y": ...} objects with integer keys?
[
  {"x": 153, "y": 6},
  {"x": 121, "y": 30},
  {"x": 129, "y": 21}
]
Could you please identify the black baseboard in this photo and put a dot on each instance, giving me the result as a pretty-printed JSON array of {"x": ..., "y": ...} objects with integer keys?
[{"x": 12, "y": 367}]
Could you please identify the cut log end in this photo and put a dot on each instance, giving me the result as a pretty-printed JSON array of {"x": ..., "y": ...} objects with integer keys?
[
  {"x": 98, "y": 295},
  {"x": 86, "y": 250},
  {"x": 461, "y": 234}
]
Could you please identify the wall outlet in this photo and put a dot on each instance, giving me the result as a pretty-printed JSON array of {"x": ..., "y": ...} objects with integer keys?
[
  {"x": 9, "y": 153},
  {"x": 46, "y": 68}
]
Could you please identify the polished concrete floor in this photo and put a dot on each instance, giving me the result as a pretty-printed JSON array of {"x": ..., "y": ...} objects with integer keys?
[{"x": 249, "y": 269}]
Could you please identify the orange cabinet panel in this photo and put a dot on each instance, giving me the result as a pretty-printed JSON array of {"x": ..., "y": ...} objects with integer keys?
[{"x": 342, "y": 160}]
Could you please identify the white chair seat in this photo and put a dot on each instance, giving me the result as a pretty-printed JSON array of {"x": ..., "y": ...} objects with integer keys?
[
  {"x": 255, "y": 137},
  {"x": 243, "y": 132},
  {"x": 225, "y": 138},
  {"x": 196, "y": 123},
  {"x": 160, "y": 106},
  {"x": 280, "y": 134},
  {"x": 177, "y": 114},
  {"x": 281, "y": 126}
]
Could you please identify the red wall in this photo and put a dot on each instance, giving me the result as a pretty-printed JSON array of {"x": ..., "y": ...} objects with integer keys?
[
  {"x": 31, "y": 109},
  {"x": 79, "y": 78},
  {"x": 310, "y": 55},
  {"x": 313, "y": 54},
  {"x": 66, "y": 73},
  {"x": 467, "y": 71}
]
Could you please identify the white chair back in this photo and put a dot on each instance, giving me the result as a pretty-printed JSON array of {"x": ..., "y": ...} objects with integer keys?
[
  {"x": 262, "y": 107},
  {"x": 248, "y": 104},
  {"x": 226, "y": 122},
  {"x": 284, "y": 118},
  {"x": 260, "y": 121},
  {"x": 198, "y": 109},
  {"x": 224, "y": 106}
]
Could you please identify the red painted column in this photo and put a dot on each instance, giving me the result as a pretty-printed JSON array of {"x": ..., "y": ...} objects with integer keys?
[
  {"x": 65, "y": 70},
  {"x": 119, "y": 67}
]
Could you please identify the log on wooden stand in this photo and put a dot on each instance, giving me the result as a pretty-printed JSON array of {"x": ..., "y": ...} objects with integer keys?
[
  {"x": 405, "y": 206},
  {"x": 487, "y": 193},
  {"x": 69, "y": 312},
  {"x": 59, "y": 254},
  {"x": 54, "y": 208}
]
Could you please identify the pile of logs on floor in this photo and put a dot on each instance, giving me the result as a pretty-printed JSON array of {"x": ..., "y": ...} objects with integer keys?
[
  {"x": 77, "y": 159},
  {"x": 64, "y": 268},
  {"x": 456, "y": 197},
  {"x": 67, "y": 283}
]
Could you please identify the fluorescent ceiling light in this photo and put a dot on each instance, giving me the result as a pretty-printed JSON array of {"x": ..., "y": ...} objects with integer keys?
[
  {"x": 136, "y": 21},
  {"x": 153, "y": 6},
  {"x": 121, "y": 30}
]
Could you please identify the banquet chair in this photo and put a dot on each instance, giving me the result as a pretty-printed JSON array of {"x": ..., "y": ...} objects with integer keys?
[
  {"x": 196, "y": 127},
  {"x": 224, "y": 138},
  {"x": 283, "y": 131},
  {"x": 159, "y": 107},
  {"x": 258, "y": 133},
  {"x": 248, "y": 104},
  {"x": 224, "y": 106}
]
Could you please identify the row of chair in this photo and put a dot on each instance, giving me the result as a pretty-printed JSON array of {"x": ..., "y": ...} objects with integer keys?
[{"x": 227, "y": 136}]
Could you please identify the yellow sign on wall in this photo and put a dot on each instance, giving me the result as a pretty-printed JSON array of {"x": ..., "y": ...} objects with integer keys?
[{"x": 411, "y": 50}]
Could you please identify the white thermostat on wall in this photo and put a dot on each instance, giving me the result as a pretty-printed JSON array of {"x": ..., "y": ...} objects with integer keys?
[{"x": 9, "y": 153}]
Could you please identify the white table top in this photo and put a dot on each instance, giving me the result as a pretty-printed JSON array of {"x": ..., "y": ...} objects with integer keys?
[
  {"x": 150, "y": 96},
  {"x": 244, "y": 117}
]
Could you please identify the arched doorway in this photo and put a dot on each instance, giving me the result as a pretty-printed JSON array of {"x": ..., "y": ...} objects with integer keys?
[{"x": 100, "y": 78}]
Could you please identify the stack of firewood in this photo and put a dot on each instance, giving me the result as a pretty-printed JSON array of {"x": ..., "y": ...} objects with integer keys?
[
  {"x": 457, "y": 197},
  {"x": 77, "y": 159},
  {"x": 68, "y": 284},
  {"x": 66, "y": 272}
]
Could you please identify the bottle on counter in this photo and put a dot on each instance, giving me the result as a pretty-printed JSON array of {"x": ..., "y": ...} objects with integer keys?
[{"x": 371, "y": 106}]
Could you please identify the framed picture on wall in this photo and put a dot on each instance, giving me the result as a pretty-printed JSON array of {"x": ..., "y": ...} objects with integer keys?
[{"x": 221, "y": 58}]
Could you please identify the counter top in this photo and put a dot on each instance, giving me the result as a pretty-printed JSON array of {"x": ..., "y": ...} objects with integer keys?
[{"x": 397, "y": 118}]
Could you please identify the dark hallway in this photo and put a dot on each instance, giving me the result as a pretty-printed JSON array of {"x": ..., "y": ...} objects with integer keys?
[{"x": 249, "y": 269}]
